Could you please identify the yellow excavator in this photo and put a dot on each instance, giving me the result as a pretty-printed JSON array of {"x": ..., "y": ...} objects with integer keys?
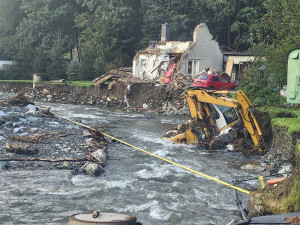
[{"x": 215, "y": 116}]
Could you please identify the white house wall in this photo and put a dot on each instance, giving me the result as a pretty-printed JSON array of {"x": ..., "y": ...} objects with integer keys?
[
  {"x": 204, "y": 49},
  {"x": 146, "y": 66}
]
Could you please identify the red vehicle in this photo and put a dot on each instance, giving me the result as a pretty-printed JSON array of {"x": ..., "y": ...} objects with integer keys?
[{"x": 214, "y": 82}]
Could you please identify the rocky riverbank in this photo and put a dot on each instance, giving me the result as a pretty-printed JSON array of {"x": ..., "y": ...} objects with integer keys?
[
  {"x": 33, "y": 139},
  {"x": 139, "y": 97}
]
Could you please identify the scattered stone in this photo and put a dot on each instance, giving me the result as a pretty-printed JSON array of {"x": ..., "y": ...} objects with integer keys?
[
  {"x": 265, "y": 173},
  {"x": 4, "y": 165},
  {"x": 92, "y": 169},
  {"x": 66, "y": 164},
  {"x": 100, "y": 155},
  {"x": 2, "y": 114},
  {"x": 230, "y": 147},
  {"x": 30, "y": 107},
  {"x": 255, "y": 168},
  {"x": 16, "y": 130},
  {"x": 37, "y": 137},
  {"x": 285, "y": 169},
  {"x": 45, "y": 91}
]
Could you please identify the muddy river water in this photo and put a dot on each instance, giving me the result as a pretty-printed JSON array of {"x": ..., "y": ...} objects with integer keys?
[{"x": 134, "y": 183}]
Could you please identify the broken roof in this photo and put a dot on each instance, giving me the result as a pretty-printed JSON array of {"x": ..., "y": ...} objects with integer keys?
[{"x": 167, "y": 48}]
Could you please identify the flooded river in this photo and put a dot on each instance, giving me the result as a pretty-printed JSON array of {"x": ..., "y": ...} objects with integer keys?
[{"x": 134, "y": 183}]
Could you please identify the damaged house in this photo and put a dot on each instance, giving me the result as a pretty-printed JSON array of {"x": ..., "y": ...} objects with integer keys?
[{"x": 190, "y": 57}]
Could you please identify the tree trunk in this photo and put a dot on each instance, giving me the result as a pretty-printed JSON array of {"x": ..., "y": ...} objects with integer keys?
[
  {"x": 228, "y": 32},
  {"x": 78, "y": 46}
]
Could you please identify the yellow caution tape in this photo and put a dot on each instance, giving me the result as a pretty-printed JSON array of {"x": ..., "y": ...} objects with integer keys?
[
  {"x": 262, "y": 182},
  {"x": 149, "y": 153}
]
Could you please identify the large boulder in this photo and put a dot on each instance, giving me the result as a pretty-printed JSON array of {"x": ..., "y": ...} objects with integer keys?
[
  {"x": 92, "y": 169},
  {"x": 100, "y": 155}
]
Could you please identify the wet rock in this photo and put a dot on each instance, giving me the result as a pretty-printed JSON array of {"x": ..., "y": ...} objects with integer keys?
[
  {"x": 45, "y": 91},
  {"x": 32, "y": 119},
  {"x": 34, "y": 129},
  {"x": 184, "y": 110},
  {"x": 14, "y": 117},
  {"x": 30, "y": 107},
  {"x": 265, "y": 173},
  {"x": 230, "y": 147},
  {"x": 100, "y": 155},
  {"x": 255, "y": 168},
  {"x": 31, "y": 112},
  {"x": 49, "y": 98},
  {"x": 16, "y": 130},
  {"x": 4, "y": 165},
  {"x": 93, "y": 169},
  {"x": 91, "y": 102},
  {"x": 285, "y": 168},
  {"x": 72, "y": 126},
  {"x": 2, "y": 114},
  {"x": 66, "y": 164}
]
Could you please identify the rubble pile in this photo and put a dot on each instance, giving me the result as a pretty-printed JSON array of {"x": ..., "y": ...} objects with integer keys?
[
  {"x": 180, "y": 81},
  {"x": 113, "y": 75}
]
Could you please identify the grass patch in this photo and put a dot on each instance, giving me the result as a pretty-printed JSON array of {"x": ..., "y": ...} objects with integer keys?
[
  {"x": 284, "y": 117},
  {"x": 284, "y": 198},
  {"x": 292, "y": 202},
  {"x": 17, "y": 81},
  {"x": 81, "y": 83},
  {"x": 298, "y": 149},
  {"x": 72, "y": 83}
]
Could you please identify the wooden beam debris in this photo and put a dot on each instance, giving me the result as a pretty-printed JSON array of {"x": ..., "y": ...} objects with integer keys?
[
  {"x": 88, "y": 158},
  {"x": 33, "y": 138},
  {"x": 24, "y": 150}
]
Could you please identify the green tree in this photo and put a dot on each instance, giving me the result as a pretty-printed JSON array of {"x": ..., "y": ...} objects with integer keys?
[
  {"x": 73, "y": 71},
  {"x": 113, "y": 29},
  {"x": 275, "y": 35},
  {"x": 87, "y": 70},
  {"x": 11, "y": 16},
  {"x": 43, "y": 29}
]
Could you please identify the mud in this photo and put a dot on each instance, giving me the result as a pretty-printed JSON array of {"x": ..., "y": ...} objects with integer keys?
[{"x": 120, "y": 95}]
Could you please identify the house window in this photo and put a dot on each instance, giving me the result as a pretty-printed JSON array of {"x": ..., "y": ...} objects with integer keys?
[
  {"x": 193, "y": 67},
  {"x": 143, "y": 62}
]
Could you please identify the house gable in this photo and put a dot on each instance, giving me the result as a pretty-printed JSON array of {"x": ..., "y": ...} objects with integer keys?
[{"x": 204, "y": 52}]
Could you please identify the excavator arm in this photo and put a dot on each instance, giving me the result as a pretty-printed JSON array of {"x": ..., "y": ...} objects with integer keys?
[{"x": 204, "y": 112}]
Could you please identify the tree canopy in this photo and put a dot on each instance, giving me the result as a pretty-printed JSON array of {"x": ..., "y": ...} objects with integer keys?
[{"x": 48, "y": 36}]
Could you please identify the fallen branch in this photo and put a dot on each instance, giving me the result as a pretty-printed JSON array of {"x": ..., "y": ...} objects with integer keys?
[
  {"x": 89, "y": 159},
  {"x": 24, "y": 150},
  {"x": 33, "y": 138}
]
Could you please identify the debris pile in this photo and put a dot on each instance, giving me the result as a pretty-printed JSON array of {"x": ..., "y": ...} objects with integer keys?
[
  {"x": 31, "y": 140},
  {"x": 180, "y": 81},
  {"x": 114, "y": 75},
  {"x": 18, "y": 100}
]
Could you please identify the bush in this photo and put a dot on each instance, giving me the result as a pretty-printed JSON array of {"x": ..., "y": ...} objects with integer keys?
[{"x": 260, "y": 89}]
